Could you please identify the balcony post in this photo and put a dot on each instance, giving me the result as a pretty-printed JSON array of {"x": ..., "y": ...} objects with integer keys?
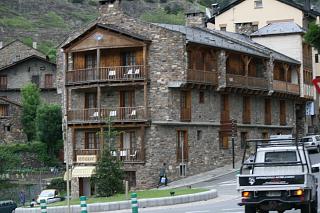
[
  {"x": 286, "y": 69},
  {"x": 97, "y": 75},
  {"x": 99, "y": 101}
]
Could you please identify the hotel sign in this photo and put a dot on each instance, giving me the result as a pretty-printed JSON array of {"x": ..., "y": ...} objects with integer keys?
[{"x": 86, "y": 158}]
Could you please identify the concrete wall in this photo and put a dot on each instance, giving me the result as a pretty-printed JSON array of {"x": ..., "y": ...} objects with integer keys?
[{"x": 245, "y": 12}]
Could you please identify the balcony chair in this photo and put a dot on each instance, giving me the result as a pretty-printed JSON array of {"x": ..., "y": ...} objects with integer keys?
[
  {"x": 137, "y": 73},
  {"x": 133, "y": 114},
  {"x": 113, "y": 113},
  {"x": 95, "y": 115},
  {"x": 112, "y": 74},
  {"x": 134, "y": 155}
]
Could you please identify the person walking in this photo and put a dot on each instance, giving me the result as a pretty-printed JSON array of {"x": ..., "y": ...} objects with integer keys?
[
  {"x": 163, "y": 176},
  {"x": 22, "y": 198}
]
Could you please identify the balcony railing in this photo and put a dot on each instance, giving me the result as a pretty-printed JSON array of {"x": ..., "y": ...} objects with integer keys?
[
  {"x": 93, "y": 155},
  {"x": 185, "y": 114},
  {"x": 286, "y": 87},
  {"x": 99, "y": 115},
  {"x": 101, "y": 74},
  {"x": 200, "y": 76},
  {"x": 246, "y": 82}
]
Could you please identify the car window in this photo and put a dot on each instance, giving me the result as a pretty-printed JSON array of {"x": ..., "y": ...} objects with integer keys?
[
  {"x": 317, "y": 138},
  {"x": 306, "y": 139},
  {"x": 276, "y": 157}
]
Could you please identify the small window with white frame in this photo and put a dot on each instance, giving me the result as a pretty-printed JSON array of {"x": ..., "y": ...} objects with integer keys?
[{"x": 258, "y": 4}]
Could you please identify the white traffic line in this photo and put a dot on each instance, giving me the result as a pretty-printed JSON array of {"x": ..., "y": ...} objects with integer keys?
[{"x": 204, "y": 211}]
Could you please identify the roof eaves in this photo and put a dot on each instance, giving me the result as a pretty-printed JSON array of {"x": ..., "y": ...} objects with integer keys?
[{"x": 10, "y": 101}]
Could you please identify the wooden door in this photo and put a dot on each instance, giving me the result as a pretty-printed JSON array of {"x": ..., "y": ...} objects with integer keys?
[
  {"x": 246, "y": 116},
  {"x": 267, "y": 111},
  {"x": 185, "y": 106},
  {"x": 283, "y": 112},
  {"x": 127, "y": 102}
]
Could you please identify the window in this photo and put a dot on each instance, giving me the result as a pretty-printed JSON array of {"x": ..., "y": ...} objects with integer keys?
[
  {"x": 201, "y": 97},
  {"x": 258, "y": 4},
  {"x": 7, "y": 128},
  {"x": 282, "y": 112},
  {"x": 267, "y": 111},
  {"x": 48, "y": 83},
  {"x": 35, "y": 79},
  {"x": 182, "y": 146},
  {"x": 223, "y": 28},
  {"x": 3, "y": 82},
  {"x": 4, "y": 110},
  {"x": 129, "y": 58},
  {"x": 91, "y": 140},
  {"x": 90, "y": 100},
  {"x": 224, "y": 140},
  {"x": 316, "y": 58},
  {"x": 244, "y": 136},
  {"x": 276, "y": 157},
  {"x": 90, "y": 60},
  {"x": 199, "y": 135},
  {"x": 265, "y": 135},
  {"x": 246, "y": 114}
]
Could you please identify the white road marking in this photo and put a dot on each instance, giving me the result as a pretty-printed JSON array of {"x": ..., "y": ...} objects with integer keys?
[{"x": 198, "y": 211}]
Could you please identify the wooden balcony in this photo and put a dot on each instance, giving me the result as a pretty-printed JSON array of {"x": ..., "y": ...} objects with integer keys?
[
  {"x": 185, "y": 114},
  {"x": 93, "y": 155},
  {"x": 106, "y": 74},
  {"x": 282, "y": 86},
  {"x": 246, "y": 82},
  {"x": 116, "y": 114},
  {"x": 202, "y": 77}
]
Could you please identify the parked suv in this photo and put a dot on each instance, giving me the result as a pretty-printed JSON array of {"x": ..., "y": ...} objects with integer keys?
[
  {"x": 311, "y": 142},
  {"x": 7, "y": 206}
]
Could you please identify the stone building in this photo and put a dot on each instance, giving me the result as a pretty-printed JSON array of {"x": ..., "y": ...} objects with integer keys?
[
  {"x": 20, "y": 65},
  {"x": 10, "y": 124},
  {"x": 169, "y": 90}
]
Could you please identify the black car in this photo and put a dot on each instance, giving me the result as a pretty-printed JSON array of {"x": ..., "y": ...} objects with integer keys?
[{"x": 7, "y": 206}]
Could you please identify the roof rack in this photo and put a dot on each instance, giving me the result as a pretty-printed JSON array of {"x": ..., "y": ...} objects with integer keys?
[{"x": 277, "y": 142}]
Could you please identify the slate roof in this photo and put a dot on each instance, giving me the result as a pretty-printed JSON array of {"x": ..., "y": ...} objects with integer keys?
[
  {"x": 26, "y": 59},
  {"x": 311, "y": 12},
  {"x": 10, "y": 52},
  {"x": 228, "y": 41},
  {"x": 279, "y": 28}
]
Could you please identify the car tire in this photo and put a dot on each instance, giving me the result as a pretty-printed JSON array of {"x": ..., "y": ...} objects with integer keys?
[
  {"x": 13, "y": 211},
  {"x": 249, "y": 209},
  {"x": 318, "y": 149}
]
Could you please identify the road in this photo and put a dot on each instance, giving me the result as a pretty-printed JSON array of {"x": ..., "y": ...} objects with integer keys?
[{"x": 226, "y": 202}]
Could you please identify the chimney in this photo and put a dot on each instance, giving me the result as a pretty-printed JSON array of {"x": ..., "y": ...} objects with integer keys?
[
  {"x": 307, "y": 5},
  {"x": 215, "y": 8},
  {"x": 109, "y": 6},
  {"x": 1, "y": 44},
  {"x": 34, "y": 45},
  {"x": 195, "y": 19}
]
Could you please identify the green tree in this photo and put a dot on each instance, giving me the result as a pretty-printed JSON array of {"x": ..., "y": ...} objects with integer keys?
[
  {"x": 49, "y": 125},
  {"x": 313, "y": 35},
  {"x": 109, "y": 174},
  {"x": 30, "y": 102}
]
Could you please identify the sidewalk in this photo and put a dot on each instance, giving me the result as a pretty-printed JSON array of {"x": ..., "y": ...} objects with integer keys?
[{"x": 221, "y": 171}]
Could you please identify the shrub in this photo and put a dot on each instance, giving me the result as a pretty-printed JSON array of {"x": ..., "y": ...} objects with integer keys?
[{"x": 57, "y": 183}]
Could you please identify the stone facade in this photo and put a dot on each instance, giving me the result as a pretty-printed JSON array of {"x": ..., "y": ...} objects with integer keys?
[
  {"x": 19, "y": 64},
  {"x": 167, "y": 62},
  {"x": 10, "y": 124}
]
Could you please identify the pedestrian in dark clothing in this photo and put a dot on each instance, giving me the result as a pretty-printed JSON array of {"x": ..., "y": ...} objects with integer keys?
[
  {"x": 22, "y": 198},
  {"x": 163, "y": 176}
]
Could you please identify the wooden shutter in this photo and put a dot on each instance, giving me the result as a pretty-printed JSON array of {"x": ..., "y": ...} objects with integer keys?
[
  {"x": 224, "y": 140},
  {"x": 78, "y": 60},
  {"x": 246, "y": 116},
  {"x": 48, "y": 83},
  {"x": 289, "y": 74},
  {"x": 139, "y": 57},
  {"x": 4, "y": 110},
  {"x": 185, "y": 105},
  {"x": 252, "y": 68},
  {"x": 3, "y": 82},
  {"x": 283, "y": 112},
  {"x": 267, "y": 111}
]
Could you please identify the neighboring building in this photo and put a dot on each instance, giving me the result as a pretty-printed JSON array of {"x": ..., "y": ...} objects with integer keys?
[
  {"x": 247, "y": 16},
  {"x": 287, "y": 38},
  {"x": 169, "y": 90},
  {"x": 10, "y": 122},
  {"x": 20, "y": 65}
]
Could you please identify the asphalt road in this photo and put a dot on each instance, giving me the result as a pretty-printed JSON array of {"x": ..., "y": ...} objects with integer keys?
[{"x": 226, "y": 202}]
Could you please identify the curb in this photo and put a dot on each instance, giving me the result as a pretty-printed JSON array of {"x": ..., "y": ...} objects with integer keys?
[{"x": 143, "y": 203}]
